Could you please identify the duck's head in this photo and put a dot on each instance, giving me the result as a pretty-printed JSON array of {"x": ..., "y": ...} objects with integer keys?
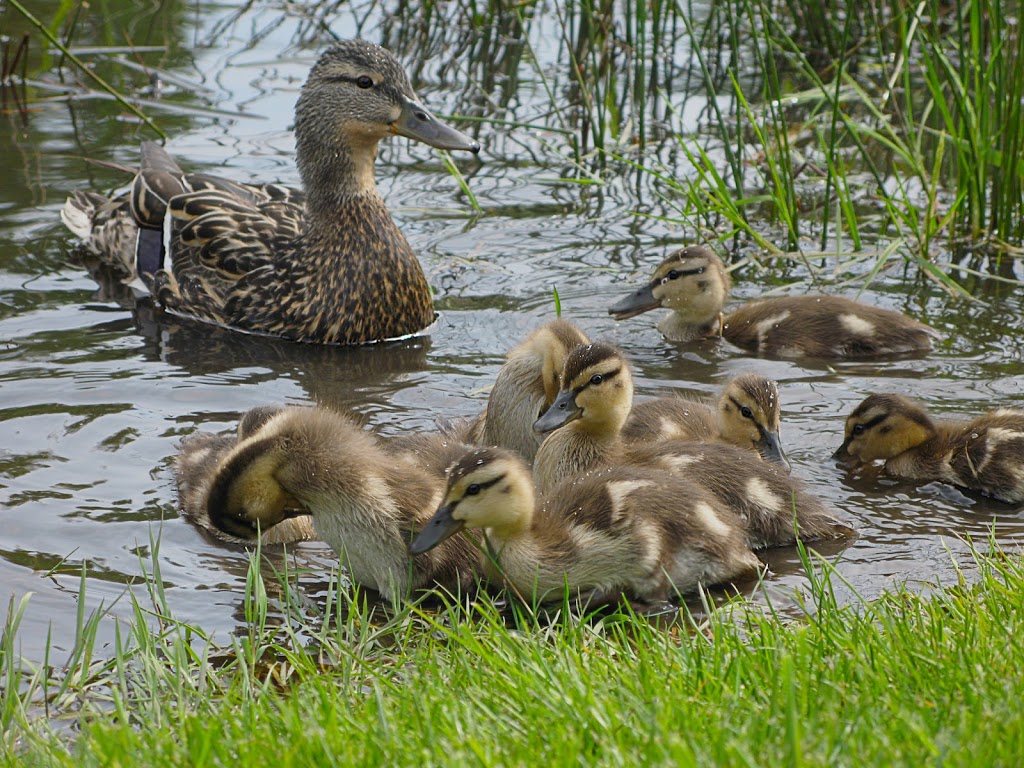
[
  {"x": 552, "y": 343},
  {"x": 884, "y": 426},
  {"x": 356, "y": 94},
  {"x": 597, "y": 390},
  {"x": 692, "y": 282},
  {"x": 749, "y": 416},
  {"x": 487, "y": 488}
]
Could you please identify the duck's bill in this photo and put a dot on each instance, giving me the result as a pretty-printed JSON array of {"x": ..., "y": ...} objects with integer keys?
[
  {"x": 561, "y": 412},
  {"x": 417, "y": 122},
  {"x": 843, "y": 454},
  {"x": 440, "y": 527},
  {"x": 771, "y": 450},
  {"x": 635, "y": 304}
]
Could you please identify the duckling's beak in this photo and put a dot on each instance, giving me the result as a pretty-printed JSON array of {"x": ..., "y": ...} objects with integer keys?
[
  {"x": 635, "y": 304},
  {"x": 843, "y": 454},
  {"x": 438, "y": 528},
  {"x": 561, "y": 412},
  {"x": 416, "y": 122},
  {"x": 771, "y": 450}
]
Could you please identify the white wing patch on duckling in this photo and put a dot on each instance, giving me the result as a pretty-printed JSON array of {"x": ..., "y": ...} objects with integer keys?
[
  {"x": 768, "y": 324},
  {"x": 857, "y": 325},
  {"x": 709, "y": 519},
  {"x": 618, "y": 492},
  {"x": 761, "y": 495},
  {"x": 677, "y": 464},
  {"x": 669, "y": 430}
]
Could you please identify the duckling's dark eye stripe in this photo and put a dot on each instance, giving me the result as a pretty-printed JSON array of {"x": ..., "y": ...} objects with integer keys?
[
  {"x": 483, "y": 487},
  {"x": 873, "y": 422},
  {"x": 605, "y": 377},
  {"x": 679, "y": 273}
]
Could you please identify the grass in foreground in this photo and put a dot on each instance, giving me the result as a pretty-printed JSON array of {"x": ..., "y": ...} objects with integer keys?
[{"x": 908, "y": 680}]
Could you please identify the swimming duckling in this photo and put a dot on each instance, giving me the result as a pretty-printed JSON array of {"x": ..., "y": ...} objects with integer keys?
[
  {"x": 693, "y": 283},
  {"x": 584, "y": 425},
  {"x": 647, "y": 535},
  {"x": 526, "y": 385},
  {"x": 985, "y": 454},
  {"x": 327, "y": 265},
  {"x": 747, "y": 415},
  {"x": 363, "y": 500}
]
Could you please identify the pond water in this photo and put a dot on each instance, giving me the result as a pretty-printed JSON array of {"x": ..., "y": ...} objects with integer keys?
[{"x": 94, "y": 399}]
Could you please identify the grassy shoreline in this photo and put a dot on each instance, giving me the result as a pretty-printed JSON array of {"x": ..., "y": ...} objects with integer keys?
[{"x": 909, "y": 679}]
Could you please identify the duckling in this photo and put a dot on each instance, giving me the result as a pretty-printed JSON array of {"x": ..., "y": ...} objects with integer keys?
[
  {"x": 326, "y": 265},
  {"x": 693, "y": 283},
  {"x": 646, "y": 535},
  {"x": 747, "y": 415},
  {"x": 526, "y": 385},
  {"x": 317, "y": 465},
  {"x": 585, "y": 424},
  {"x": 984, "y": 454}
]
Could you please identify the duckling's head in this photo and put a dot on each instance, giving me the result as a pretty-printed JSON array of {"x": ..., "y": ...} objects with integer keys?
[
  {"x": 552, "y": 343},
  {"x": 597, "y": 390},
  {"x": 884, "y": 426},
  {"x": 487, "y": 488},
  {"x": 749, "y": 416},
  {"x": 692, "y": 282},
  {"x": 356, "y": 94}
]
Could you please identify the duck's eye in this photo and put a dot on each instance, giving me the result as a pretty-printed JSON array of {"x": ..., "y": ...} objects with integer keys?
[
  {"x": 473, "y": 489},
  {"x": 747, "y": 413},
  {"x": 597, "y": 378},
  {"x": 859, "y": 429},
  {"x": 673, "y": 274},
  {"x": 364, "y": 81}
]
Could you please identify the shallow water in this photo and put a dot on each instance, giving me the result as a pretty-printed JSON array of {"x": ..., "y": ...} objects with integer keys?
[{"x": 94, "y": 399}]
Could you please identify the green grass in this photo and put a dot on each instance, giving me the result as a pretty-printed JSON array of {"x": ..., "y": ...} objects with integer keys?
[{"x": 910, "y": 679}]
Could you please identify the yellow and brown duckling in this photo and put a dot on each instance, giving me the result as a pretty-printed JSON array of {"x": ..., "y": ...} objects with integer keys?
[
  {"x": 525, "y": 387},
  {"x": 984, "y": 454},
  {"x": 694, "y": 284},
  {"x": 585, "y": 432},
  {"x": 618, "y": 531},
  {"x": 746, "y": 414},
  {"x": 318, "y": 466},
  {"x": 326, "y": 264}
]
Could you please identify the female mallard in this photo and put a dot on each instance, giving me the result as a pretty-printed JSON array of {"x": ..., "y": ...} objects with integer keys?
[
  {"x": 621, "y": 531},
  {"x": 693, "y": 283},
  {"x": 985, "y": 454},
  {"x": 293, "y": 473},
  {"x": 746, "y": 414},
  {"x": 327, "y": 265},
  {"x": 585, "y": 431}
]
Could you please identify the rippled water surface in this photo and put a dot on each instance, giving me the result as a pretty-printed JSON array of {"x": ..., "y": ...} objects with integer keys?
[{"x": 94, "y": 399}]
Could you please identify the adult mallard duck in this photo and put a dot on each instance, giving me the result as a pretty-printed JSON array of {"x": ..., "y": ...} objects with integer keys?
[
  {"x": 585, "y": 431},
  {"x": 984, "y": 454},
  {"x": 619, "y": 531},
  {"x": 746, "y": 414},
  {"x": 295, "y": 473},
  {"x": 327, "y": 265},
  {"x": 693, "y": 283}
]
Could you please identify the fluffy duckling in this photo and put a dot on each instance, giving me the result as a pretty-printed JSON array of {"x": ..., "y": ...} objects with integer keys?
[
  {"x": 985, "y": 454},
  {"x": 526, "y": 386},
  {"x": 317, "y": 465},
  {"x": 746, "y": 414},
  {"x": 585, "y": 424},
  {"x": 693, "y": 283},
  {"x": 646, "y": 535},
  {"x": 327, "y": 265}
]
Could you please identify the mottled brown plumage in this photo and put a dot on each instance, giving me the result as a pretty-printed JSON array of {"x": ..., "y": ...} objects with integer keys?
[
  {"x": 365, "y": 499},
  {"x": 984, "y": 454},
  {"x": 326, "y": 265},
  {"x": 587, "y": 420},
  {"x": 639, "y": 533},
  {"x": 693, "y": 283}
]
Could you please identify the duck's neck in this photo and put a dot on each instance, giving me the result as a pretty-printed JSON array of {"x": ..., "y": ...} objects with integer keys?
[
  {"x": 677, "y": 327},
  {"x": 337, "y": 174},
  {"x": 571, "y": 450}
]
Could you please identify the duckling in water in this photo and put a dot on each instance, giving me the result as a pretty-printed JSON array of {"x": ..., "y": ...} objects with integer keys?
[
  {"x": 585, "y": 424},
  {"x": 747, "y": 415},
  {"x": 647, "y": 535},
  {"x": 693, "y": 283},
  {"x": 985, "y": 454},
  {"x": 526, "y": 386},
  {"x": 297, "y": 471},
  {"x": 327, "y": 265}
]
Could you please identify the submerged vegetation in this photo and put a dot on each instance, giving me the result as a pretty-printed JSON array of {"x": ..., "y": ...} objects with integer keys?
[{"x": 909, "y": 679}]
